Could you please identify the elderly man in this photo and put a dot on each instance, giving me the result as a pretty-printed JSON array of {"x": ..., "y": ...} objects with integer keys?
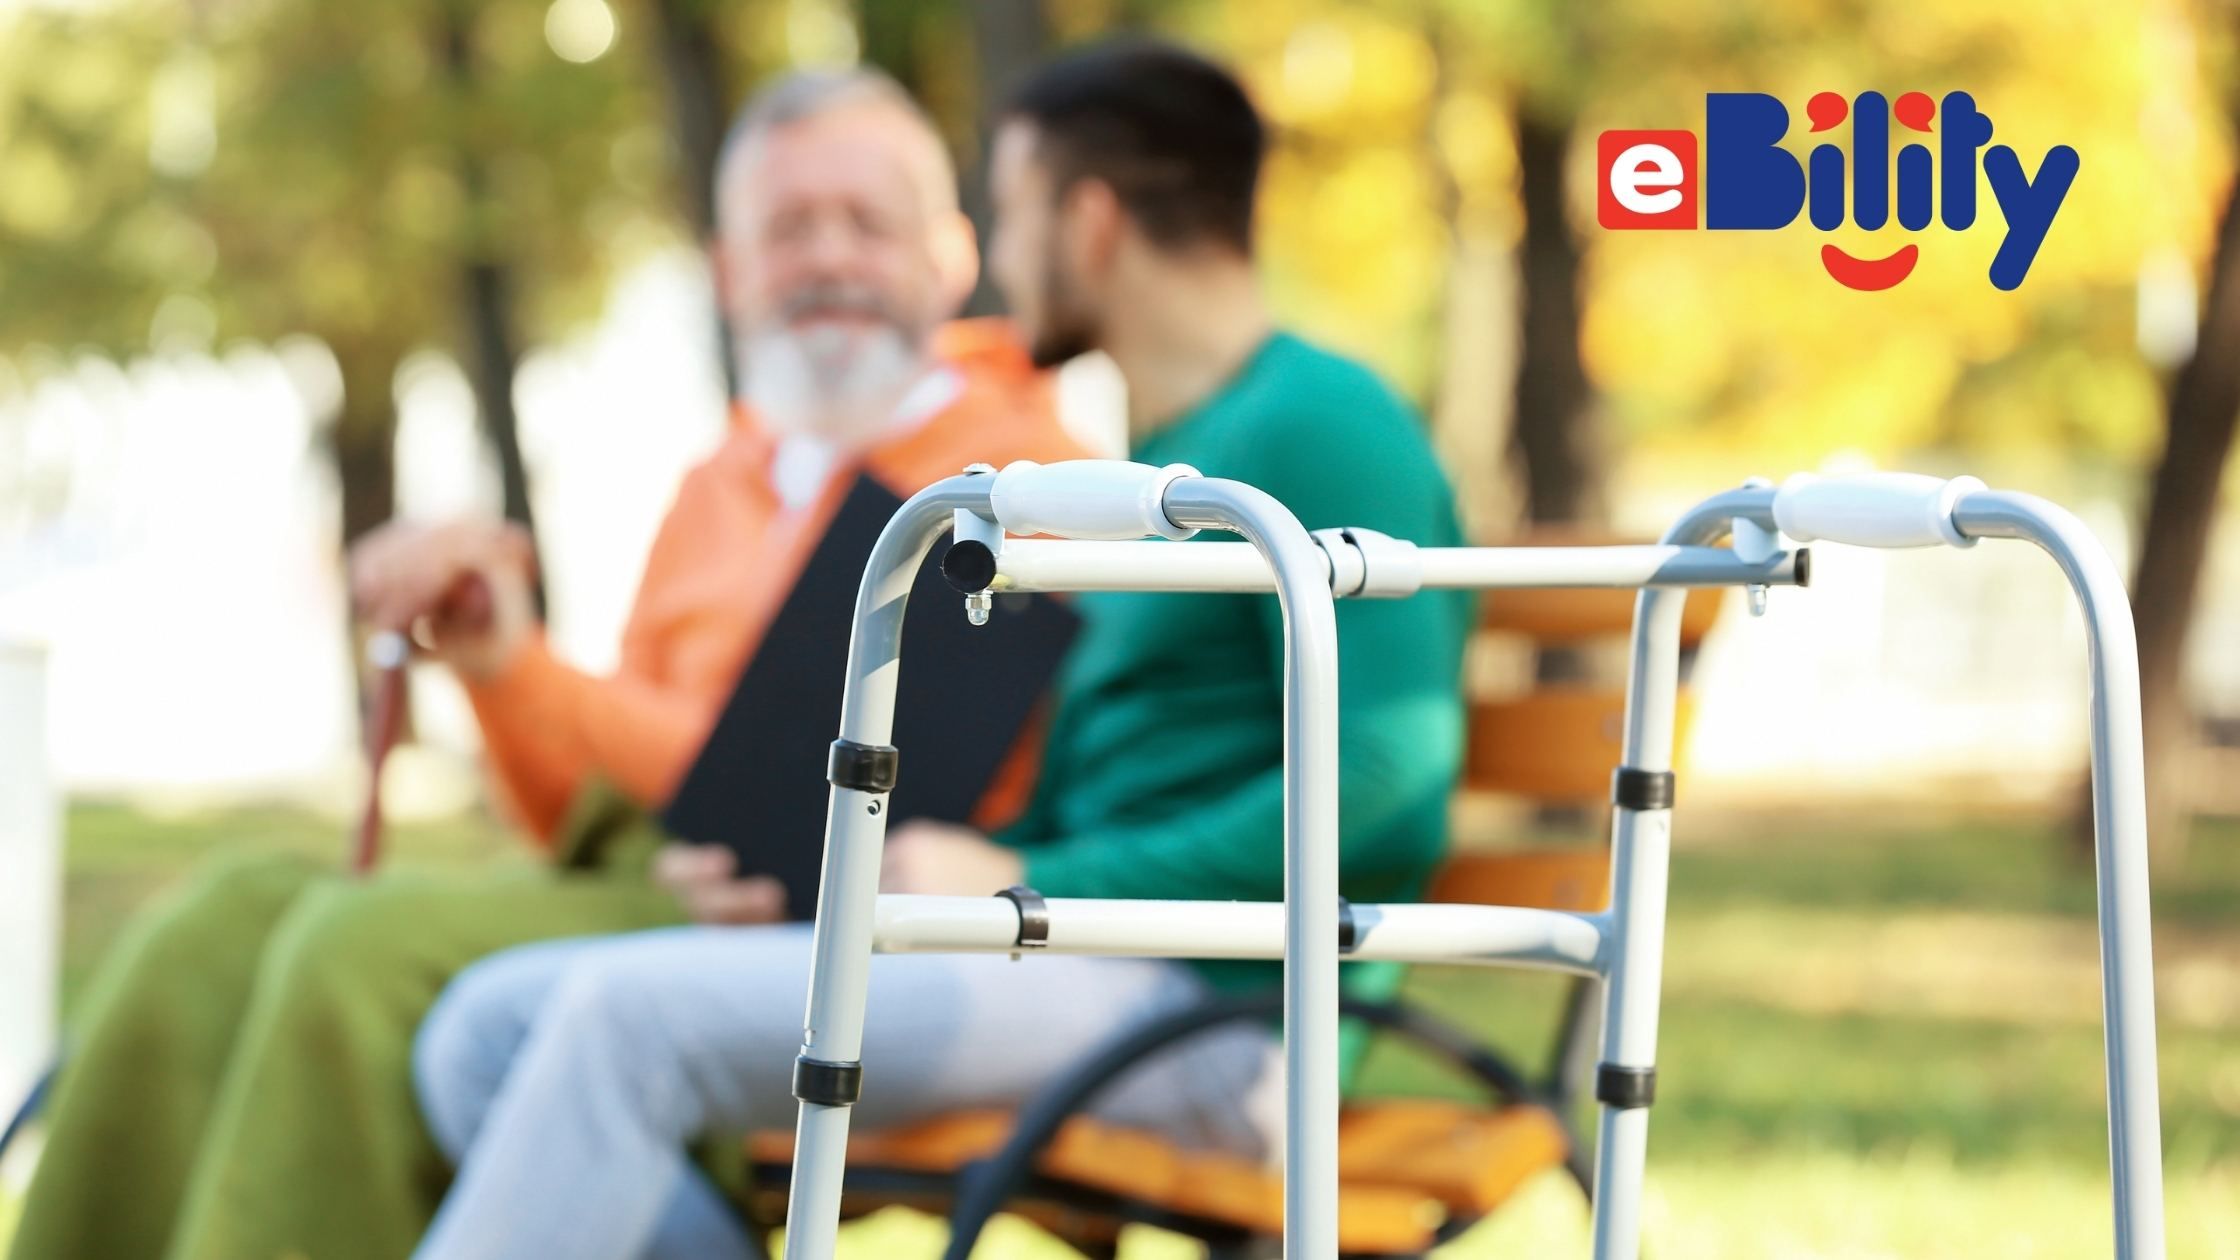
[
  {"x": 240, "y": 1087},
  {"x": 572, "y": 1075}
]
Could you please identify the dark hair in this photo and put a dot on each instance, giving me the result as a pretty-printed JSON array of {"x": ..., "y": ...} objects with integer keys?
[{"x": 1172, "y": 133}]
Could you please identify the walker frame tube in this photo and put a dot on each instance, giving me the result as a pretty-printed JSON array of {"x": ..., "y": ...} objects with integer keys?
[
  {"x": 1640, "y": 859},
  {"x": 1902, "y": 510},
  {"x": 1507, "y": 936},
  {"x": 1623, "y": 946},
  {"x": 855, "y": 833},
  {"x": 1043, "y": 565},
  {"x": 2119, "y": 846},
  {"x": 1310, "y": 866},
  {"x": 828, "y": 1071}
]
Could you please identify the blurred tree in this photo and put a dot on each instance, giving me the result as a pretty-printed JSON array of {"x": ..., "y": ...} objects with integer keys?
[
  {"x": 453, "y": 162},
  {"x": 701, "y": 84},
  {"x": 486, "y": 290},
  {"x": 2204, "y": 405},
  {"x": 1417, "y": 208},
  {"x": 689, "y": 46},
  {"x": 1715, "y": 351},
  {"x": 959, "y": 59},
  {"x": 91, "y": 251},
  {"x": 1546, "y": 57},
  {"x": 377, "y": 176},
  {"x": 1556, "y": 446},
  {"x": 1008, "y": 38}
]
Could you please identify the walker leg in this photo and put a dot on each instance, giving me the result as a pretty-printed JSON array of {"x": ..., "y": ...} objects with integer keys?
[
  {"x": 1310, "y": 873},
  {"x": 1625, "y": 1081},
  {"x": 1641, "y": 846},
  {"x": 2119, "y": 831},
  {"x": 828, "y": 1074}
]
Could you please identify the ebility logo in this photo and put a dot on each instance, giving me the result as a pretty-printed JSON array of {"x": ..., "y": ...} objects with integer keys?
[{"x": 1649, "y": 180}]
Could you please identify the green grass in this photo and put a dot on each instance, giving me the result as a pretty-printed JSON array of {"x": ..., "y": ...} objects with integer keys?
[
  {"x": 1885, "y": 994},
  {"x": 1877, "y": 1039}
]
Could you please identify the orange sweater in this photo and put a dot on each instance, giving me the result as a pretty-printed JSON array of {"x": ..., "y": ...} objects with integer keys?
[{"x": 722, "y": 563}]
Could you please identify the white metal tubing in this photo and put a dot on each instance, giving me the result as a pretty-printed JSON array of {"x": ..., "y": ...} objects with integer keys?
[
  {"x": 1027, "y": 564},
  {"x": 1640, "y": 855},
  {"x": 2119, "y": 827},
  {"x": 1509, "y": 936},
  {"x": 1086, "y": 498},
  {"x": 1654, "y": 565},
  {"x": 855, "y": 831},
  {"x": 1310, "y": 875},
  {"x": 1877, "y": 509},
  {"x": 1036, "y": 564},
  {"x": 1628, "y": 942}
]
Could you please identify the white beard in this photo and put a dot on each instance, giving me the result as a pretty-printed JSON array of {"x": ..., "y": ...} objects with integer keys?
[{"x": 840, "y": 385}]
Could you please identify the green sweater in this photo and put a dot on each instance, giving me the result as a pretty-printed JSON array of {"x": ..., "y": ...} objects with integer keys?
[{"x": 1162, "y": 776}]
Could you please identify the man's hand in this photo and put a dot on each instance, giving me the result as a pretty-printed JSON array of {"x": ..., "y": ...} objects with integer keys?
[
  {"x": 943, "y": 858},
  {"x": 461, "y": 590},
  {"x": 704, "y": 879}
]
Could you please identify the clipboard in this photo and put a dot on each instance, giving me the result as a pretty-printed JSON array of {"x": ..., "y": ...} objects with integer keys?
[{"x": 965, "y": 696}]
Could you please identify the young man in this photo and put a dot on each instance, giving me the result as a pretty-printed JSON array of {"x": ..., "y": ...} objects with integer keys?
[
  {"x": 570, "y": 1076},
  {"x": 241, "y": 1088}
]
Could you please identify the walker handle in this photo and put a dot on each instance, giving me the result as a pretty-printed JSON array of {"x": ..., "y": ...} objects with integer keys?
[
  {"x": 1885, "y": 509},
  {"x": 1108, "y": 499}
]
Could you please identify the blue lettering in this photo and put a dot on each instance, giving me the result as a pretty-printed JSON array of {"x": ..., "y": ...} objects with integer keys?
[
  {"x": 1751, "y": 181},
  {"x": 1916, "y": 185},
  {"x": 2029, "y": 206},
  {"x": 1870, "y": 160},
  {"x": 1963, "y": 131}
]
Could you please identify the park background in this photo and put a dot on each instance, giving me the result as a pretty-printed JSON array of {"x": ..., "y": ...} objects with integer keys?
[{"x": 274, "y": 270}]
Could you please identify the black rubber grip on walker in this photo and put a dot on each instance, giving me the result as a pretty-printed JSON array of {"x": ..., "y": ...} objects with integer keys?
[
  {"x": 1623, "y": 1087},
  {"x": 1034, "y": 916},
  {"x": 863, "y": 767},
  {"x": 1641, "y": 789},
  {"x": 969, "y": 565},
  {"x": 1349, "y": 935},
  {"x": 827, "y": 1084}
]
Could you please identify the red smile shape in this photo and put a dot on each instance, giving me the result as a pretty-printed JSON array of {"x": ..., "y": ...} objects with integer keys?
[{"x": 1869, "y": 274}]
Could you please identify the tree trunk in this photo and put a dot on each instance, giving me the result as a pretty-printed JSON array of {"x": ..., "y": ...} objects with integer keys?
[
  {"x": 486, "y": 318},
  {"x": 365, "y": 435},
  {"x": 2174, "y": 545},
  {"x": 1470, "y": 399},
  {"x": 690, "y": 52},
  {"x": 1008, "y": 38},
  {"x": 364, "y": 440},
  {"x": 1556, "y": 447},
  {"x": 487, "y": 310},
  {"x": 919, "y": 43}
]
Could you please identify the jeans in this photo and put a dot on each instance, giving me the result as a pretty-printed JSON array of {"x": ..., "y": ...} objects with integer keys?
[{"x": 567, "y": 1078}]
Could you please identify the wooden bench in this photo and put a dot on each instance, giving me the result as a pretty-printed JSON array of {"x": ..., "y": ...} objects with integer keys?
[{"x": 1415, "y": 1172}]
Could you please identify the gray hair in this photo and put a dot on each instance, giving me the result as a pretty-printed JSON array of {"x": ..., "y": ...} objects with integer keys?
[{"x": 803, "y": 94}]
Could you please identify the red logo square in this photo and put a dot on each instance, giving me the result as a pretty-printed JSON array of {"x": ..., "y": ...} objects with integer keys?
[{"x": 1646, "y": 179}]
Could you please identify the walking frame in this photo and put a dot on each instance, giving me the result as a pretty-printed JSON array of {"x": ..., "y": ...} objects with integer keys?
[{"x": 1102, "y": 514}]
